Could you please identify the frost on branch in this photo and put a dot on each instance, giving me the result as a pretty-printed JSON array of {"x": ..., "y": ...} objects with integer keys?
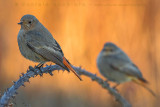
[{"x": 32, "y": 72}]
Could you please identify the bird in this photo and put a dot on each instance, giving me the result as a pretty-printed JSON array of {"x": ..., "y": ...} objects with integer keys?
[
  {"x": 116, "y": 66},
  {"x": 37, "y": 44}
]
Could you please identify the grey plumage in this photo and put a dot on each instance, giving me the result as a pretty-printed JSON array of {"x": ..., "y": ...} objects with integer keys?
[
  {"x": 36, "y": 43},
  {"x": 116, "y": 66}
]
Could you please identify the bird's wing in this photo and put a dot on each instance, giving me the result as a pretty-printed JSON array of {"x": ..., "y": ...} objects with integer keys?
[
  {"x": 39, "y": 39},
  {"x": 47, "y": 48},
  {"x": 125, "y": 66}
]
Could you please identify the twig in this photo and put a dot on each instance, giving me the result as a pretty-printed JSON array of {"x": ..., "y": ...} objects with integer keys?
[
  {"x": 32, "y": 72},
  {"x": 105, "y": 85}
]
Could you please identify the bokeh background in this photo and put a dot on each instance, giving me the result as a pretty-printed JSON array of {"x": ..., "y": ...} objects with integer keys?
[{"x": 82, "y": 27}]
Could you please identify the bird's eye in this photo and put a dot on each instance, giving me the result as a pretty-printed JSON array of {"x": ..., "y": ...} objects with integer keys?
[
  {"x": 108, "y": 49},
  {"x": 29, "y": 22},
  {"x": 111, "y": 50}
]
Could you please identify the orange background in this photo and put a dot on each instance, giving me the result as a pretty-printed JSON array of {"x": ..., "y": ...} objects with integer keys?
[{"x": 81, "y": 28}]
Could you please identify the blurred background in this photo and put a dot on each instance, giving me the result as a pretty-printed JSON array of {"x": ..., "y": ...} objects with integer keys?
[{"x": 82, "y": 27}]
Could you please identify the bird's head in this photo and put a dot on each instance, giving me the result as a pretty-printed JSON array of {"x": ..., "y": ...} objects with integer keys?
[
  {"x": 110, "y": 49},
  {"x": 28, "y": 22}
]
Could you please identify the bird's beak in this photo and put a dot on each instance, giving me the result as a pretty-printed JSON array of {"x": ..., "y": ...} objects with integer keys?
[{"x": 20, "y": 23}]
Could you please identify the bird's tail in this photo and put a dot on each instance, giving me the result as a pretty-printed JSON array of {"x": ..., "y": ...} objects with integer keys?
[
  {"x": 66, "y": 63},
  {"x": 143, "y": 83}
]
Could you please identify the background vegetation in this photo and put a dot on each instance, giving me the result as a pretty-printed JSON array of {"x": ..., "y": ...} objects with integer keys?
[{"x": 82, "y": 27}]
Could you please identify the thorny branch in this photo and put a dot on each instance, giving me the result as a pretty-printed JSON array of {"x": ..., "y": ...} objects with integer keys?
[{"x": 32, "y": 72}]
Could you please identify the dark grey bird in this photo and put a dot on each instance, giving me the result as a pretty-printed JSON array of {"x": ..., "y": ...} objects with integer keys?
[
  {"x": 37, "y": 44},
  {"x": 116, "y": 66}
]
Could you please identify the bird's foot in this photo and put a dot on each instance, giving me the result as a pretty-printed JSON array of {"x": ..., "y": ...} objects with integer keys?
[
  {"x": 33, "y": 69},
  {"x": 37, "y": 69},
  {"x": 39, "y": 66}
]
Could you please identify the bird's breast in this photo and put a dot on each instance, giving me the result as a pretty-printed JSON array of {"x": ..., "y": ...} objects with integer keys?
[
  {"x": 26, "y": 51},
  {"x": 104, "y": 66}
]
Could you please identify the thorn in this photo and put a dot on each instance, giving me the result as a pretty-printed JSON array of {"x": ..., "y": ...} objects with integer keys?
[
  {"x": 22, "y": 74},
  {"x": 51, "y": 73},
  {"x": 13, "y": 96},
  {"x": 40, "y": 72},
  {"x": 93, "y": 78},
  {"x": 28, "y": 76},
  {"x": 95, "y": 74},
  {"x": 41, "y": 75},
  {"x": 103, "y": 85},
  {"x": 28, "y": 81},
  {"x": 31, "y": 68},
  {"x": 16, "y": 93},
  {"x": 23, "y": 85},
  {"x": 14, "y": 82},
  {"x": 80, "y": 66},
  {"x": 116, "y": 99}
]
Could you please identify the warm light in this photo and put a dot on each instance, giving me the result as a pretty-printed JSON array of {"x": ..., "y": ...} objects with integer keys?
[{"x": 82, "y": 28}]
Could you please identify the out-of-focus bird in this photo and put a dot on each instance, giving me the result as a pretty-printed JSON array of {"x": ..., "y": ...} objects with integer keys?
[
  {"x": 116, "y": 66},
  {"x": 36, "y": 43}
]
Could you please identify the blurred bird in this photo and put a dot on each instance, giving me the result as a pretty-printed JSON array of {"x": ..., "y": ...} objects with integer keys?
[
  {"x": 36, "y": 43},
  {"x": 116, "y": 66}
]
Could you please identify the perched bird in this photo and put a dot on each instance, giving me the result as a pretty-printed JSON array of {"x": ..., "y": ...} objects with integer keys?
[
  {"x": 36, "y": 43},
  {"x": 116, "y": 66}
]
